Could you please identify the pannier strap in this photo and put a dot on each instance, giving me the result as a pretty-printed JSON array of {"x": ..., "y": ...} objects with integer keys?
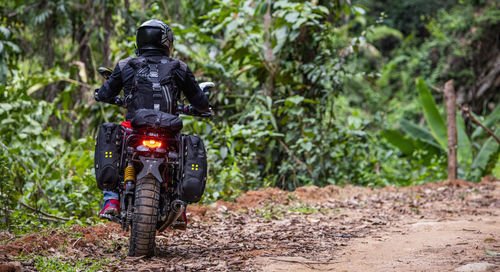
[{"x": 108, "y": 132}]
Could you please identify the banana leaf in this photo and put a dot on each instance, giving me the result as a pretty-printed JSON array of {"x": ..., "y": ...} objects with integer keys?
[
  {"x": 434, "y": 119},
  {"x": 399, "y": 140},
  {"x": 464, "y": 146},
  {"x": 418, "y": 133},
  {"x": 489, "y": 148},
  {"x": 414, "y": 138}
]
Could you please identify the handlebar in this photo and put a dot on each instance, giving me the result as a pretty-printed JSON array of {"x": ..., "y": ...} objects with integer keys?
[{"x": 190, "y": 110}]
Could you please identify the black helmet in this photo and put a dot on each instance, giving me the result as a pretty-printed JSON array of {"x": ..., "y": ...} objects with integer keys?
[{"x": 154, "y": 34}]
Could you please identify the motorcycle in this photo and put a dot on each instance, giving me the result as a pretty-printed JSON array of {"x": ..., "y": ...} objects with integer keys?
[{"x": 149, "y": 199}]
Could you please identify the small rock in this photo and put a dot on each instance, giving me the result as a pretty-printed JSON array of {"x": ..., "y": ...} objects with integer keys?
[
  {"x": 476, "y": 267},
  {"x": 222, "y": 208}
]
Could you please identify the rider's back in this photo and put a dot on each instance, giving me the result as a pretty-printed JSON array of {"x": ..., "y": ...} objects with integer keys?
[{"x": 153, "y": 81}]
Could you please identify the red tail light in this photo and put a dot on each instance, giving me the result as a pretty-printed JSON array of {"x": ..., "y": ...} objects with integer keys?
[{"x": 152, "y": 143}]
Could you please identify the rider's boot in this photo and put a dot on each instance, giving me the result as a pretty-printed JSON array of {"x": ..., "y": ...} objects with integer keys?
[{"x": 111, "y": 207}]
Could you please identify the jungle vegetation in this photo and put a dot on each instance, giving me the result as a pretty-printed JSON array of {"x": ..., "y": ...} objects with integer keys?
[{"x": 308, "y": 92}]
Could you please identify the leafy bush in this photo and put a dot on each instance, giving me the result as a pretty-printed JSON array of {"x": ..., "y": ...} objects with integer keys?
[{"x": 40, "y": 167}]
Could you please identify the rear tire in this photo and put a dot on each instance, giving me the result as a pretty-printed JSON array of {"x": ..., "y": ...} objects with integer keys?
[{"x": 143, "y": 231}]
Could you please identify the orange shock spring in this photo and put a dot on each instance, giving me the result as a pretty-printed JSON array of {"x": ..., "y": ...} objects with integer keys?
[{"x": 129, "y": 173}]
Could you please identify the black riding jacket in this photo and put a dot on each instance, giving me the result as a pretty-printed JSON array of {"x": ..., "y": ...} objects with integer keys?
[{"x": 123, "y": 77}]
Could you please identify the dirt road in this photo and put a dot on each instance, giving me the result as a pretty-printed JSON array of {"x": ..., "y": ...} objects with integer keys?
[{"x": 434, "y": 227}]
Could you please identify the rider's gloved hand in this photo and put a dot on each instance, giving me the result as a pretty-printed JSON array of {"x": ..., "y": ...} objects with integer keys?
[
  {"x": 118, "y": 101},
  {"x": 206, "y": 86},
  {"x": 96, "y": 95}
]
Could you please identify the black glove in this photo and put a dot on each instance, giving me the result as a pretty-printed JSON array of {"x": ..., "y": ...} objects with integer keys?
[
  {"x": 96, "y": 95},
  {"x": 118, "y": 101}
]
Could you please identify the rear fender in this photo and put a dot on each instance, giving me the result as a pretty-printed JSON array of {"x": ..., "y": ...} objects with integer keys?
[{"x": 151, "y": 166}]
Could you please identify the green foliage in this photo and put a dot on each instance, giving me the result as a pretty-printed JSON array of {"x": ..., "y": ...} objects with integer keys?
[
  {"x": 489, "y": 122},
  {"x": 419, "y": 133},
  {"x": 45, "y": 170},
  {"x": 381, "y": 32},
  {"x": 464, "y": 147},
  {"x": 8, "y": 52},
  {"x": 272, "y": 104},
  {"x": 399, "y": 140},
  {"x": 49, "y": 264},
  {"x": 406, "y": 16},
  {"x": 482, "y": 163}
]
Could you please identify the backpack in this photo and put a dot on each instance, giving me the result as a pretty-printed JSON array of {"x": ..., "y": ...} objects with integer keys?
[
  {"x": 107, "y": 156},
  {"x": 194, "y": 172},
  {"x": 154, "y": 87}
]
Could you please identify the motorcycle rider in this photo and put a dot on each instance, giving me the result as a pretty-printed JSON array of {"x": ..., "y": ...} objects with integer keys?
[{"x": 154, "y": 41}]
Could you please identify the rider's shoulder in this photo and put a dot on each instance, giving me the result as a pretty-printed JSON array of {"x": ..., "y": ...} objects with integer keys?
[
  {"x": 182, "y": 64},
  {"x": 124, "y": 62}
]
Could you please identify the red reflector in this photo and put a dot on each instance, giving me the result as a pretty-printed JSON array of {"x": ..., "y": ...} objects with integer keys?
[{"x": 152, "y": 143}]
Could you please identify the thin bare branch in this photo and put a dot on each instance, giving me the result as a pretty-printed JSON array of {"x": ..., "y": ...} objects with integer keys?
[
  {"x": 83, "y": 84},
  {"x": 475, "y": 121},
  {"x": 42, "y": 212},
  {"x": 466, "y": 110}
]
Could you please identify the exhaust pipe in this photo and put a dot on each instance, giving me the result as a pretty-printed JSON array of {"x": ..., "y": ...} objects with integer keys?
[{"x": 176, "y": 208}]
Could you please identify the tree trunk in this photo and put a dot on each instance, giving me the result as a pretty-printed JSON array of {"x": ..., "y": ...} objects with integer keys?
[
  {"x": 48, "y": 47},
  {"x": 107, "y": 27},
  {"x": 451, "y": 122}
]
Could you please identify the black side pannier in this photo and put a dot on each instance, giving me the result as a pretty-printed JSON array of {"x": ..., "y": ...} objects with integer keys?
[
  {"x": 107, "y": 156},
  {"x": 194, "y": 177},
  {"x": 156, "y": 119}
]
